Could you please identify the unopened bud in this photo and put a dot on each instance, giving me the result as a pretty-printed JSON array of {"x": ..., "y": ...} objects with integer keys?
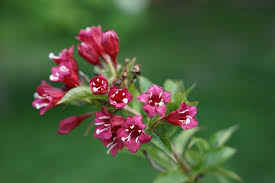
[
  {"x": 117, "y": 83},
  {"x": 137, "y": 69}
]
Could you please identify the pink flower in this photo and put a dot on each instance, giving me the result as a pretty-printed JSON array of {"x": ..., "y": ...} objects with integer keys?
[
  {"x": 99, "y": 85},
  {"x": 104, "y": 122},
  {"x": 113, "y": 144},
  {"x": 110, "y": 44},
  {"x": 92, "y": 37},
  {"x": 46, "y": 97},
  {"x": 67, "y": 69},
  {"x": 184, "y": 116},
  {"x": 87, "y": 52},
  {"x": 155, "y": 99},
  {"x": 132, "y": 133},
  {"x": 70, "y": 123},
  {"x": 119, "y": 97}
]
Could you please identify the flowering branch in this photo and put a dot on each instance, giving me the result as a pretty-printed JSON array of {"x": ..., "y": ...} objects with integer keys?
[{"x": 168, "y": 113}]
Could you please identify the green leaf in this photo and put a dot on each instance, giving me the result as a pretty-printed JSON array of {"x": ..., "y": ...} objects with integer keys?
[
  {"x": 188, "y": 90},
  {"x": 171, "y": 86},
  {"x": 144, "y": 83},
  {"x": 222, "y": 179},
  {"x": 158, "y": 156},
  {"x": 216, "y": 156},
  {"x": 171, "y": 177},
  {"x": 80, "y": 93},
  {"x": 220, "y": 138},
  {"x": 135, "y": 103},
  {"x": 200, "y": 143},
  {"x": 156, "y": 140},
  {"x": 181, "y": 140},
  {"x": 193, "y": 157},
  {"x": 131, "y": 64},
  {"x": 227, "y": 173}
]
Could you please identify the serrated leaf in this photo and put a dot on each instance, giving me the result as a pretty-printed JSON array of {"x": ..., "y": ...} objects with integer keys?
[
  {"x": 171, "y": 177},
  {"x": 144, "y": 83},
  {"x": 135, "y": 103},
  {"x": 181, "y": 139},
  {"x": 80, "y": 93},
  {"x": 227, "y": 173},
  {"x": 220, "y": 137},
  {"x": 156, "y": 140},
  {"x": 216, "y": 156},
  {"x": 200, "y": 143}
]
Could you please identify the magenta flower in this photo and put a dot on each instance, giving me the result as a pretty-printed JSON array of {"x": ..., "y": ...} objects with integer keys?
[
  {"x": 184, "y": 116},
  {"x": 155, "y": 99},
  {"x": 104, "y": 122},
  {"x": 110, "y": 44},
  {"x": 119, "y": 97},
  {"x": 67, "y": 69},
  {"x": 99, "y": 85},
  {"x": 92, "y": 37},
  {"x": 132, "y": 133},
  {"x": 67, "y": 125},
  {"x": 87, "y": 52},
  {"x": 113, "y": 144},
  {"x": 46, "y": 97}
]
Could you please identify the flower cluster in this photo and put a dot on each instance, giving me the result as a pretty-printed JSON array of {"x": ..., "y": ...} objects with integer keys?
[{"x": 109, "y": 89}]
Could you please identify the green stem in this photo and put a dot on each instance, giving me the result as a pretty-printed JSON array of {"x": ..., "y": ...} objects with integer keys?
[
  {"x": 108, "y": 59},
  {"x": 131, "y": 110}
]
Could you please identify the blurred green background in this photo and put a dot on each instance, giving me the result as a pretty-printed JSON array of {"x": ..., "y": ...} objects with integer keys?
[{"x": 227, "y": 47}]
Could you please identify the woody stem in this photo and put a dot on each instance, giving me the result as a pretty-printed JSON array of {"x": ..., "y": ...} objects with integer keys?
[{"x": 131, "y": 110}]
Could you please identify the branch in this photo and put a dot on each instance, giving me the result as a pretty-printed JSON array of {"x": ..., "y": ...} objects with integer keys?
[{"x": 153, "y": 164}]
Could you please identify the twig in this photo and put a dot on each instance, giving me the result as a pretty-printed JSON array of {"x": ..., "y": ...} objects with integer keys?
[
  {"x": 131, "y": 110},
  {"x": 180, "y": 160},
  {"x": 152, "y": 162}
]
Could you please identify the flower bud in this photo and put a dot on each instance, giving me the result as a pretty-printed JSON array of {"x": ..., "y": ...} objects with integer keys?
[
  {"x": 110, "y": 44},
  {"x": 70, "y": 123}
]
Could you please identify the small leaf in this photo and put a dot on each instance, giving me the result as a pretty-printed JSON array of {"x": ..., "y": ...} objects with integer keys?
[
  {"x": 171, "y": 177},
  {"x": 227, "y": 173},
  {"x": 144, "y": 83},
  {"x": 217, "y": 156},
  {"x": 171, "y": 86},
  {"x": 156, "y": 140},
  {"x": 220, "y": 138},
  {"x": 200, "y": 143},
  {"x": 80, "y": 93},
  {"x": 188, "y": 90},
  {"x": 181, "y": 140},
  {"x": 131, "y": 64},
  {"x": 135, "y": 103}
]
